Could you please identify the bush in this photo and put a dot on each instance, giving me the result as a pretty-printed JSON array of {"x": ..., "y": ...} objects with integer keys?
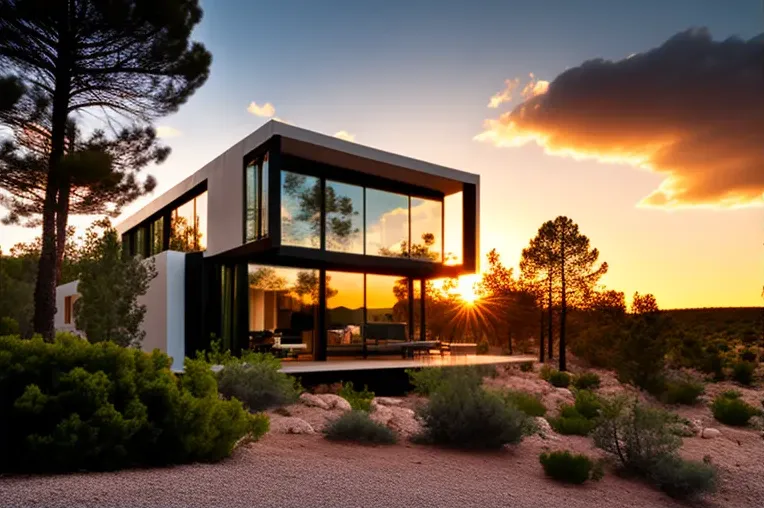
[
  {"x": 748, "y": 356},
  {"x": 571, "y": 422},
  {"x": 526, "y": 367},
  {"x": 587, "y": 381},
  {"x": 559, "y": 379},
  {"x": 587, "y": 404},
  {"x": 8, "y": 326},
  {"x": 742, "y": 372},
  {"x": 72, "y": 405},
  {"x": 360, "y": 401},
  {"x": 546, "y": 371},
  {"x": 428, "y": 380},
  {"x": 684, "y": 479},
  {"x": 257, "y": 381},
  {"x": 569, "y": 468},
  {"x": 638, "y": 436},
  {"x": 682, "y": 389},
  {"x": 730, "y": 409},
  {"x": 482, "y": 348},
  {"x": 467, "y": 416},
  {"x": 358, "y": 427},
  {"x": 527, "y": 403}
]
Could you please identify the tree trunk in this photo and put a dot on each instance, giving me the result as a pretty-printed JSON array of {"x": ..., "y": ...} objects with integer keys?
[
  {"x": 550, "y": 324},
  {"x": 563, "y": 302},
  {"x": 510, "y": 342},
  {"x": 62, "y": 217},
  {"x": 541, "y": 333},
  {"x": 45, "y": 286}
]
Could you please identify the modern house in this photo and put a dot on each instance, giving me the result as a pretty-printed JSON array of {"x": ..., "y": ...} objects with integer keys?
[{"x": 302, "y": 244}]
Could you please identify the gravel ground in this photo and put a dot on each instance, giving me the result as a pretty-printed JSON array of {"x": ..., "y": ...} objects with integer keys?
[
  {"x": 286, "y": 470},
  {"x": 300, "y": 471}
]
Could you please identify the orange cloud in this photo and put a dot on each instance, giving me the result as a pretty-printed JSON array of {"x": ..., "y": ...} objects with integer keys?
[
  {"x": 691, "y": 110},
  {"x": 499, "y": 98},
  {"x": 267, "y": 110},
  {"x": 534, "y": 87}
]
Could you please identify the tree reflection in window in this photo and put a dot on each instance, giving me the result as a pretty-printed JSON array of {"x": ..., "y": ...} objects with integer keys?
[
  {"x": 188, "y": 225},
  {"x": 418, "y": 250}
]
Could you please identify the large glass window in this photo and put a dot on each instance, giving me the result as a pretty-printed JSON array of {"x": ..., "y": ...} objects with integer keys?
[
  {"x": 426, "y": 229},
  {"x": 344, "y": 313},
  {"x": 140, "y": 241},
  {"x": 188, "y": 225},
  {"x": 256, "y": 199},
  {"x": 387, "y": 224},
  {"x": 387, "y": 313},
  {"x": 283, "y": 303},
  {"x": 157, "y": 236},
  {"x": 344, "y": 217},
  {"x": 453, "y": 208},
  {"x": 300, "y": 210},
  {"x": 250, "y": 179}
]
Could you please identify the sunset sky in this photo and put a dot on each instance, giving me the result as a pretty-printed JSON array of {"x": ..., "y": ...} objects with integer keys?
[{"x": 656, "y": 156}]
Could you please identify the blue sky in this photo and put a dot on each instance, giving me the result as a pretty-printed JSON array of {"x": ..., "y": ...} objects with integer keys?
[{"x": 414, "y": 77}]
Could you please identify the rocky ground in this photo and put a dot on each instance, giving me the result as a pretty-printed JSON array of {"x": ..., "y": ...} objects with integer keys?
[{"x": 294, "y": 466}]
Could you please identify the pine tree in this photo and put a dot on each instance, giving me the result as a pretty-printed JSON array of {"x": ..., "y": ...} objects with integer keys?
[{"x": 129, "y": 59}]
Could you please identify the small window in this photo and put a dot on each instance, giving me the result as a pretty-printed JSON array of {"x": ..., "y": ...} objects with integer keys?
[
  {"x": 256, "y": 199},
  {"x": 68, "y": 310}
]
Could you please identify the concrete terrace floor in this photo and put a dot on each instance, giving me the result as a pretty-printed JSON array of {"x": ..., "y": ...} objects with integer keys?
[{"x": 299, "y": 367}]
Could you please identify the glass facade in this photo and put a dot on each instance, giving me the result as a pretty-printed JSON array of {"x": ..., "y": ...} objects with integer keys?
[
  {"x": 157, "y": 236},
  {"x": 426, "y": 229},
  {"x": 188, "y": 225},
  {"x": 452, "y": 242},
  {"x": 344, "y": 313},
  {"x": 282, "y": 309},
  {"x": 256, "y": 199},
  {"x": 140, "y": 242},
  {"x": 387, "y": 223},
  {"x": 344, "y": 217},
  {"x": 300, "y": 210}
]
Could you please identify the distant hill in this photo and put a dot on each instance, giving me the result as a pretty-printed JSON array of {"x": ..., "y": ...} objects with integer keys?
[{"x": 732, "y": 322}]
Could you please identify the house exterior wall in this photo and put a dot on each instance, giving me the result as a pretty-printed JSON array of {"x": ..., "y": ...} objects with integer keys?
[{"x": 163, "y": 322}]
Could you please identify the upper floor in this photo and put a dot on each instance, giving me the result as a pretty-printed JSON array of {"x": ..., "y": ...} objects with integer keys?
[{"x": 289, "y": 196}]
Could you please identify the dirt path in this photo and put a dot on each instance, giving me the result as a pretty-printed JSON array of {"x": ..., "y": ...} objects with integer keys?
[{"x": 306, "y": 471}]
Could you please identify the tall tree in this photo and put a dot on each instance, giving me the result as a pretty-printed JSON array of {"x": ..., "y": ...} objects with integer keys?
[
  {"x": 509, "y": 301},
  {"x": 538, "y": 268},
  {"x": 565, "y": 257},
  {"x": 131, "y": 59},
  {"x": 109, "y": 287}
]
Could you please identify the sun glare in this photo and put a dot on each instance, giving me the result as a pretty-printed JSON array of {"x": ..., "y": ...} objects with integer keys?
[{"x": 466, "y": 289}]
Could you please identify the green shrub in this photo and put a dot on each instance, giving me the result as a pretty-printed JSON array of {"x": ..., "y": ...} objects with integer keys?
[
  {"x": 742, "y": 372},
  {"x": 571, "y": 422},
  {"x": 359, "y": 400},
  {"x": 526, "y": 367},
  {"x": 526, "y": 402},
  {"x": 682, "y": 389},
  {"x": 257, "y": 381},
  {"x": 748, "y": 356},
  {"x": 482, "y": 348},
  {"x": 587, "y": 404},
  {"x": 8, "y": 326},
  {"x": 358, "y": 427},
  {"x": 71, "y": 405},
  {"x": 730, "y": 409},
  {"x": 559, "y": 379},
  {"x": 638, "y": 436},
  {"x": 683, "y": 479},
  {"x": 568, "y": 467},
  {"x": 428, "y": 380},
  {"x": 546, "y": 371},
  {"x": 587, "y": 381},
  {"x": 467, "y": 416}
]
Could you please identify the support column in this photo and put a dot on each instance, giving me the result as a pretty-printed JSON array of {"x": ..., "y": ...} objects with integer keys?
[
  {"x": 410, "y": 291},
  {"x": 319, "y": 351},
  {"x": 422, "y": 307}
]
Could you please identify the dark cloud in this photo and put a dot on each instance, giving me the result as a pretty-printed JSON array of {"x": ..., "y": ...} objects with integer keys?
[{"x": 691, "y": 110}]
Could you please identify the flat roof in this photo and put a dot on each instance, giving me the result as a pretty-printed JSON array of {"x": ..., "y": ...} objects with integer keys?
[{"x": 322, "y": 148}]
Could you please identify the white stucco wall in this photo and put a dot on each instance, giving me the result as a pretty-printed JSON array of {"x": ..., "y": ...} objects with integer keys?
[{"x": 164, "y": 322}]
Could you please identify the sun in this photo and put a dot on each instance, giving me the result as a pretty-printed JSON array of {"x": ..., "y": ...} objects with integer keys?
[{"x": 466, "y": 289}]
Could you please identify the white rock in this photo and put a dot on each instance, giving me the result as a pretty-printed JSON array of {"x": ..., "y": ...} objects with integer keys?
[
  {"x": 335, "y": 401},
  {"x": 290, "y": 425},
  {"x": 388, "y": 401},
  {"x": 710, "y": 433},
  {"x": 696, "y": 426},
  {"x": 381, "y": 414},
  {"x": 543, "y": 428},
  {"x": 404, "y": 421},
  {"x": 311, "y": 400}
]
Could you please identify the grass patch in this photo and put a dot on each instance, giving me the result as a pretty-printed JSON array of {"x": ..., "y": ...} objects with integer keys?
[
  {"x": 358, "y": 400},
  {"x": 730, "y": 409},
  {"x": 526, "y": 402},
  {"x": 572, "y": 468},
  {"x": 587, "y": 381}
]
